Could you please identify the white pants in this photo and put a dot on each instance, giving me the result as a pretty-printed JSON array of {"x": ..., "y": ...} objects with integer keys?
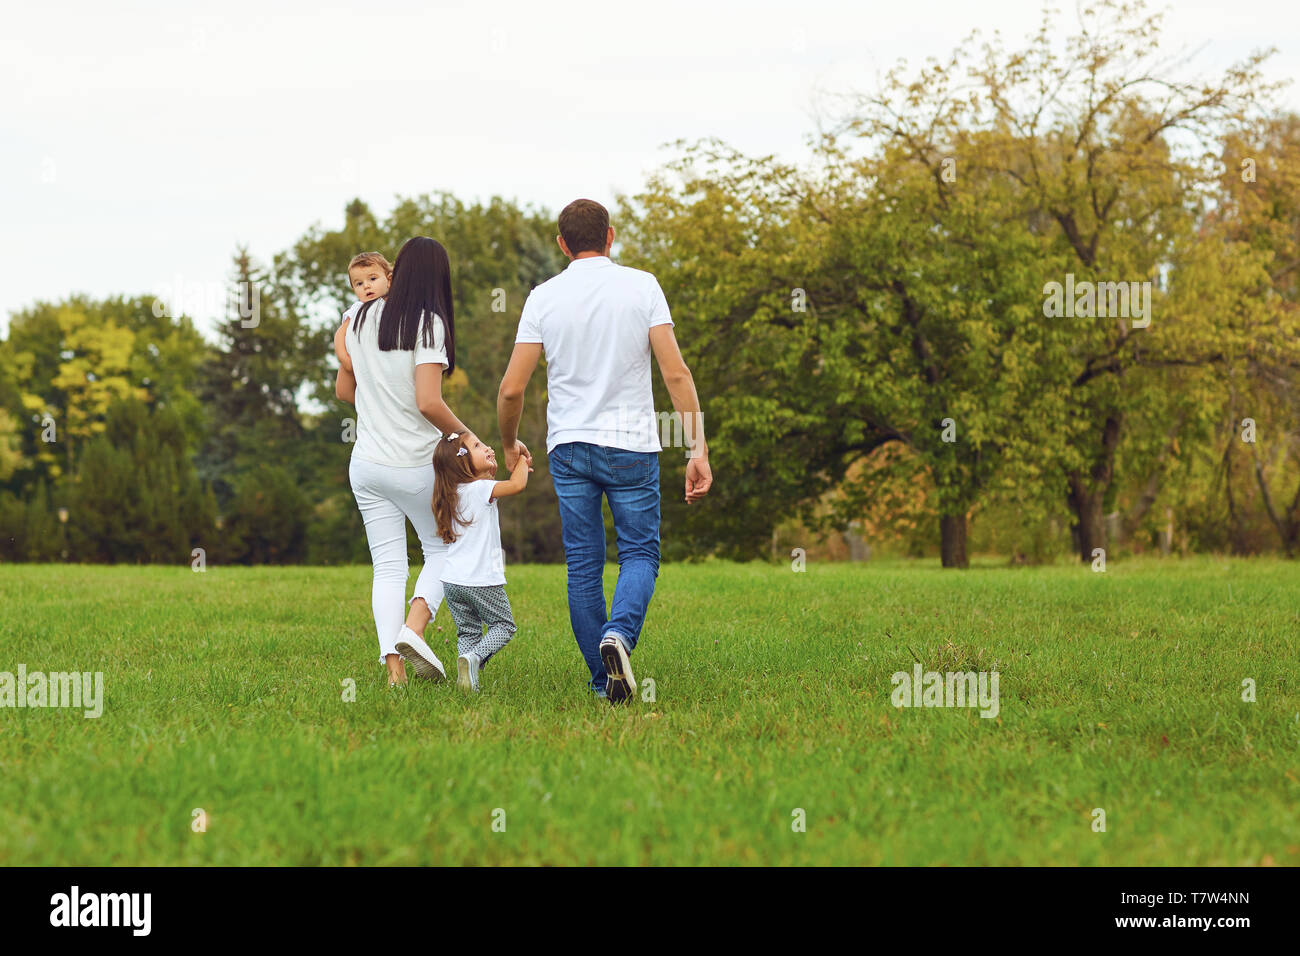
[{"x": 388, "y": 495}]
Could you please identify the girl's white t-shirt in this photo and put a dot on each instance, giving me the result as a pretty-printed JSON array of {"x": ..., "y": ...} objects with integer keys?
[
  {"x": 390, "y": 428},
  {"x": 475, "y": 558}
]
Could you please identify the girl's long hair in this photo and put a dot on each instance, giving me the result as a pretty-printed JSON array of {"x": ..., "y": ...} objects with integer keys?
[
  {"x": 420, "y": 294},
  {"x": 450, "y": 471}
]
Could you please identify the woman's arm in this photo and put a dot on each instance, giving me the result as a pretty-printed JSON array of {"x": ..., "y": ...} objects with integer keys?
[
  {"x": 345, "y": 383},
  {"x": 428, "y": 398},
  {"x": 345, "y": 386},
  {"x": 341, "y": 346}
]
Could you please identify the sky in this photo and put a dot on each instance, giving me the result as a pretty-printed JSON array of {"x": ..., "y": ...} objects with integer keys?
[{"x": 141, "y": 143}]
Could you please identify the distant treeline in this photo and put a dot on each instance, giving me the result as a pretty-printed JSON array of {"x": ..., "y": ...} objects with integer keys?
[{"x": 1031, "y": 301}]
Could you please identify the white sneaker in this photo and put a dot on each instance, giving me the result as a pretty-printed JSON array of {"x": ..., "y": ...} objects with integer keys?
[
  {"x": 621, "y": 685},
  {"x": 420, "y": 655},
  {"x": 467, "y": 666}
]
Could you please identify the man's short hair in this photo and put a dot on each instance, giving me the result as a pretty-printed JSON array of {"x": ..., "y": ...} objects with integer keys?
[{"x": 584, "y": 226}]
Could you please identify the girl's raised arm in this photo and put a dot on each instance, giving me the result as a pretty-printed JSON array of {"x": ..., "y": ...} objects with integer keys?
[{"x": 518, "y": 479}]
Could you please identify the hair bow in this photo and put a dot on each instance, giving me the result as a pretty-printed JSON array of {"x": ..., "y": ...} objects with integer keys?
[
  {"x": 453, "y": 436},
  {"x": 462, "y": 451}
]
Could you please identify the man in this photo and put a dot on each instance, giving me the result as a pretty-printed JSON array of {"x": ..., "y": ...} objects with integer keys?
[{"x": 598, "y": 324}]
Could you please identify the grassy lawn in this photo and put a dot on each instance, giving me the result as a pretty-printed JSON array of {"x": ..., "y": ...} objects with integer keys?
[{"x": 224, "y": 691}]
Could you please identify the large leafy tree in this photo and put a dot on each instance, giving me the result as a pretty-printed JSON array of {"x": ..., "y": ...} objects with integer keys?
[
  {"x": 831, "y": 312},
  {"x": 72, "y": 360},
  {"x": 1110, "y": 144}
]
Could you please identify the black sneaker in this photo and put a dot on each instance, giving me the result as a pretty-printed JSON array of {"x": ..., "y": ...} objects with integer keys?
[{"x": 621, "y": 685}]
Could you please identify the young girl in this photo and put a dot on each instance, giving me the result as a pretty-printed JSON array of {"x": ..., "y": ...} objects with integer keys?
[{"x": 465, "y": 495}]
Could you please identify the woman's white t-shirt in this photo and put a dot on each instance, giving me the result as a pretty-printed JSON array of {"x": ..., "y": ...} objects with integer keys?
[
  {"x": 390, "y": 428},
  {"x": 475, "y": 558}
]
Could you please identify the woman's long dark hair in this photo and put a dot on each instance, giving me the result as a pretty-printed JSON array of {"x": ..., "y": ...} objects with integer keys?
[{"x": 420, "y": 294}]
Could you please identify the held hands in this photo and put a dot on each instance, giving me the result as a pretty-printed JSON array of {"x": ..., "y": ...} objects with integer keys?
[{"x": 513, "y": 454}]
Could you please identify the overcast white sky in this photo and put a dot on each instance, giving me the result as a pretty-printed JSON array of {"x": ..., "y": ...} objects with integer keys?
[{"x": 140, "y": 142}]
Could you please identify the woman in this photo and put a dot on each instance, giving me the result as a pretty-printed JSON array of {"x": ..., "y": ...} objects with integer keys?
[{"x": 400, "y": 347}]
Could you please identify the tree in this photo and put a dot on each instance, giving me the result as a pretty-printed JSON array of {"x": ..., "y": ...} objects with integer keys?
[
  {"x": 266, "y": 520},
  {"x": 831, "y": 312},
  {"x": 1102, "y": 140},
  {"x": 252, "y": 382},
  {"x": 71, "y": 362},
  {"x": 29, "y": 530},
  {"x": 135, "y": 495},
  {"x": 1259, "y": 208}
]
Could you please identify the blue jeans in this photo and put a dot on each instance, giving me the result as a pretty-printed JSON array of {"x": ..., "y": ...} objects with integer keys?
[{"x": 581, "y": 473}]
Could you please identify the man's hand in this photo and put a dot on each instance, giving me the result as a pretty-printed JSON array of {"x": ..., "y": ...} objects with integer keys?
[
  {"x": 513, "y": 452},
  {"x": 699, "y": 478}
]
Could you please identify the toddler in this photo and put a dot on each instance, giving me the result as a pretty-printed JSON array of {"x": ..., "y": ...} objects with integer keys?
[{"x": 370, "y": 275}]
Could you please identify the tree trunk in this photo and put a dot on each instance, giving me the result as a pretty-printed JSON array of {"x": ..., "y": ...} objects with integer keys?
[
  {"x": 1287, "y": 523},
  {"x": 1088, "y": 491},
  {"x": 1090, "y": 522},
  {"x": 952, "y": 541}
]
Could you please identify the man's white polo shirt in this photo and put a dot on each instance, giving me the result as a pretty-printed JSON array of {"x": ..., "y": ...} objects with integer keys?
[{"x": 593, "y": 322}]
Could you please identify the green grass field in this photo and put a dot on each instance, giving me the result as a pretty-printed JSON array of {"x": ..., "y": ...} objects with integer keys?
[{"x": 224, "y": 691}]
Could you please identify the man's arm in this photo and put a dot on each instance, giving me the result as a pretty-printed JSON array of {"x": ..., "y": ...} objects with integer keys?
[
  {"x": 428, "y": 398},
  {"x": 510, "y": 398},
  {"x": 681, "y": 388}
]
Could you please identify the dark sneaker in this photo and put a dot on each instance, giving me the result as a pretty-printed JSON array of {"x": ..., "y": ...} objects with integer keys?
[{"x": 621, "y": 685}]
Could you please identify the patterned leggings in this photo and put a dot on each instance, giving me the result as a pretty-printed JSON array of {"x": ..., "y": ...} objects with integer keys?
[{"x": 473, "y": 608}]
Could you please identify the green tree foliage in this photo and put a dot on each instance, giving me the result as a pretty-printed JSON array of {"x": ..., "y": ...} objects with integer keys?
[
  {"x": 251, "y": 385},
  {"x": 1109, "y": 144},
  {"x": 266, "y": 521},
  {"x": 924, "y": 237},
  {"x": 135, "y": 495},
  {"x": 29, "y": 529},
  {"x": 1259, "y": 209},
  {"x": 72, "y": 361},
  {"x": 831, "y": 312}
]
